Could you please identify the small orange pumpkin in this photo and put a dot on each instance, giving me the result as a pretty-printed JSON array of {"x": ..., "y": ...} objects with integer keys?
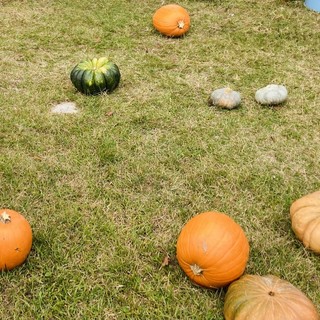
[
  {"x": 171, "y": 20},
  {"x": 15, "y": 239},
  {"x": 254, "y": 297},
  {"x": 212, "y": 249}
]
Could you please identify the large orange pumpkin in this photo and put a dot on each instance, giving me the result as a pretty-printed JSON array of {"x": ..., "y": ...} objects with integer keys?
[
  {"x": 254, "y": 297},
  {"x": 212, "y": 249},
  {"x": 15, "y": 239},
  {"x": 171, "y": 20},
  {"x": 305, "y": 220}
]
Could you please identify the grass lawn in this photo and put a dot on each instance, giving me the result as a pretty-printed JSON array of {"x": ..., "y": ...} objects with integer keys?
[{"x": 107, "y": 190}]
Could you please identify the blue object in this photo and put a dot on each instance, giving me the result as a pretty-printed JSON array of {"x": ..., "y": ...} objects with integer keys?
[{"x": 313, "y": 5}]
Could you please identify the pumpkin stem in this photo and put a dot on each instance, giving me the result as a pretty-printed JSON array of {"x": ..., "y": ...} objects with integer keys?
[
  {"x": 94, "y": 64},
  {"x": 181, "y": 24},
  {"x": 5, "y": 218},
  {"x": 196, "y": 269},
  {"x": 271, "y": 293}
]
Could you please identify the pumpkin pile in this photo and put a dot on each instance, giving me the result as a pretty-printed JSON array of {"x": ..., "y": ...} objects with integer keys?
[{"x": 212, "y": 250}]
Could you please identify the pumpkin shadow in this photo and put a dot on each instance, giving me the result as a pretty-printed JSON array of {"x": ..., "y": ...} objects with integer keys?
[{"x": 273, "y": 107}]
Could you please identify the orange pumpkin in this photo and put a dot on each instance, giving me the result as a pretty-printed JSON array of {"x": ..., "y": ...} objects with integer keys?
[
  {"x": 305, "y": 220},
  {"x": 15, "y": 239},
  {"x": 212, "y": 249},
  {"x": 171, "y": 20},
  {"x": 254, "y": 297}
]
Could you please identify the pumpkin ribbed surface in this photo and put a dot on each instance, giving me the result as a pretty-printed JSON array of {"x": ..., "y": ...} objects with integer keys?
[
  {"x": 305, "y": 220},
  {"x": 212, "y": 249},
  {"x": 271, "y": 94},
  {"x": 254, "y": 297},
  {"x": 15, "y": 239},
  {"x": 95, "y": 76},
  {"x": 171, "y": 20}
]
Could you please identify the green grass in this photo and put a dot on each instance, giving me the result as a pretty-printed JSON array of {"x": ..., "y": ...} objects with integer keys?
[{"x": 107, "y": 194}]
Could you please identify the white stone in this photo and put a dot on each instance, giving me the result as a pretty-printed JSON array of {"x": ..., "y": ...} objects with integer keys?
[{"x": 65, "y": 107}]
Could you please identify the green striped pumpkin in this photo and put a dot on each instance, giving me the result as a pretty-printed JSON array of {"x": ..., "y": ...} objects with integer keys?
[{"x": 95, "y": 76}]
